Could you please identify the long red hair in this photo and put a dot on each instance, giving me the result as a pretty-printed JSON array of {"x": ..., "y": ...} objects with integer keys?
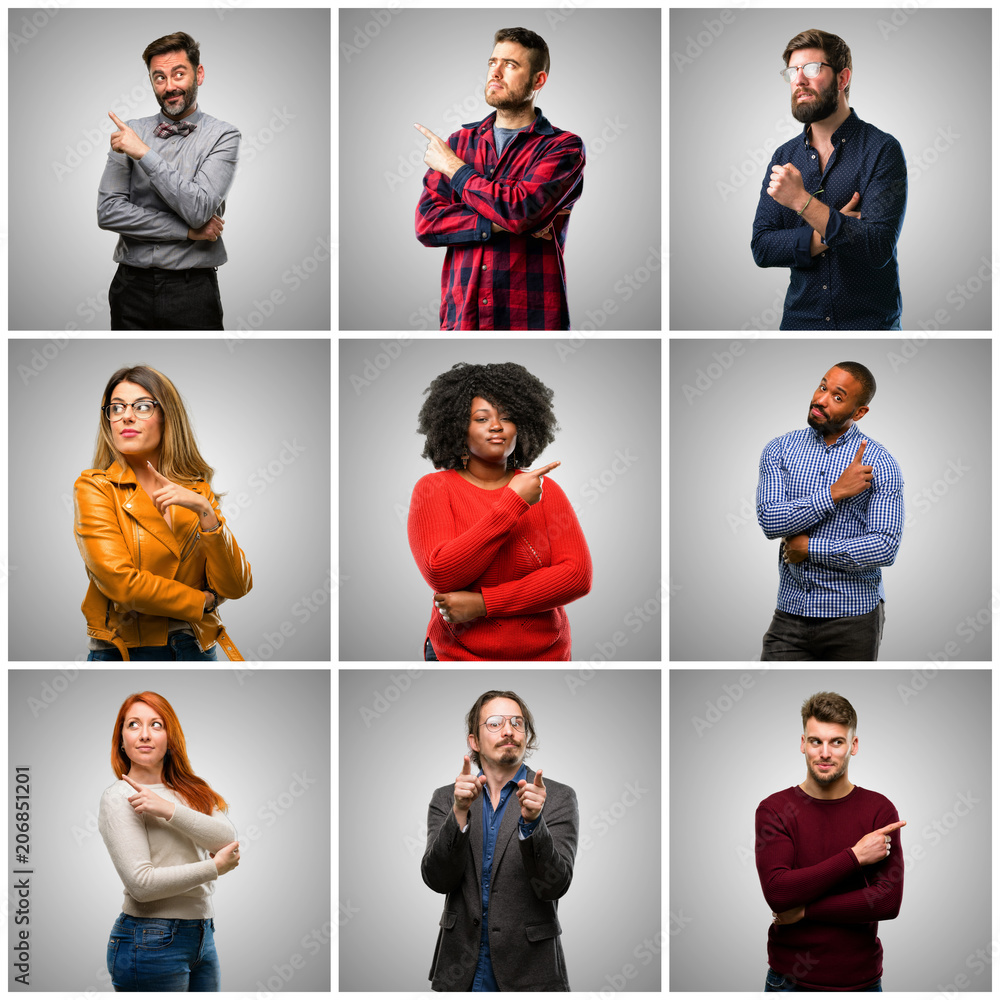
[{"x": 177, "y": 773}]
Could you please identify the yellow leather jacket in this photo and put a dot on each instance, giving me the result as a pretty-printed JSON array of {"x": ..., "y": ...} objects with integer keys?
[{"x": 142, "y": 573}]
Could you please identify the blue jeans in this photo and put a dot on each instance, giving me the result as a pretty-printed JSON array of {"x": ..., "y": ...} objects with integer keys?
[
  {"x": 777, "y": 983},
  {"x": 180, "y": 646},
  {"x": 163, "y": 956},
  {"x": 429, "y": 653}
]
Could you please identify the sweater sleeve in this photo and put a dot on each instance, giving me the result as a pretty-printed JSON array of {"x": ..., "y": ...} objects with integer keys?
[
  {"x": 211, "y": 832},
  {"x": 881, "y": 897},
  {"x": 449, "y": 560},
  {"x": 784, "y": 886},
  {"x": 124, "y": 834},
  {"x": 566, "y": 578}
]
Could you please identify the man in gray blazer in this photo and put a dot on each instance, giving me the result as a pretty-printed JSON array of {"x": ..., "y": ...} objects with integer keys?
[{"x": 504, "y": 862}]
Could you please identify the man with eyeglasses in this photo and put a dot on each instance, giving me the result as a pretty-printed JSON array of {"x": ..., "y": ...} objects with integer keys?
[
  {"x": 832, "y": 202},
  {"x": 501, "y": 845},
  {"x": 163, "y": 192}
]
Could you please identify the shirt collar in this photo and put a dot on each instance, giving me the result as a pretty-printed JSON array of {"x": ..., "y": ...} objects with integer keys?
[
  {"x": 194, "y": 118},
  {"x": 845, "y": 130},
  {"x": 522, "y": 775},
  {"x": 540, "y": 124}
]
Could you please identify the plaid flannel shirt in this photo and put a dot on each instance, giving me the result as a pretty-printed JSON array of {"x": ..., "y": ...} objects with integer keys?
[
  {"x": 506, "y": 280},
  {"x": 848, "y": 540}
]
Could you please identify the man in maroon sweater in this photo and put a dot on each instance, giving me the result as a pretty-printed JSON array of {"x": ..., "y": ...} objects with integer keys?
[{"x": 829, "y": 861}]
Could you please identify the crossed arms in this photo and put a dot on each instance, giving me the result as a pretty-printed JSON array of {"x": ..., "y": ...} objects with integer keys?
[
  {"x": 812, "y": 889},
  {"x": 882, "y": 516},
  {"x": 866, "y": 228},
  {"x": 190, "y": 203},
  {"x": 459, "y": 205}
]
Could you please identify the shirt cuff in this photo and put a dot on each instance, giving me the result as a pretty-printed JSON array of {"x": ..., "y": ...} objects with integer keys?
[
  {"x": 801, "y": 240},
  {"x": 525, "y": 830},
  {"x": 459, "y": 177},
  {"x": 150, "y": 160}
]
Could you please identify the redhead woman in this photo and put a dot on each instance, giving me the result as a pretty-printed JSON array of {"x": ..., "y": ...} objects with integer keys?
[
  {"x": 158, "y": 553},
  {"x": 498, "y": 544},
  {"x": 169, "y": 839}
]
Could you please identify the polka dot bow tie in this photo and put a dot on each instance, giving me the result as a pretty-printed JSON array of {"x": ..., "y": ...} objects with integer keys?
[{"x": 173, "y": 128}]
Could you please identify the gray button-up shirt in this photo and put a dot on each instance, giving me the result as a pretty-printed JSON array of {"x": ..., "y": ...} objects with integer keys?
[{"x": 180, "y": 183}]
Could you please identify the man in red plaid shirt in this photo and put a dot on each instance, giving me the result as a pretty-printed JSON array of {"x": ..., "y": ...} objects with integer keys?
[{"x": 498, "y": 195}]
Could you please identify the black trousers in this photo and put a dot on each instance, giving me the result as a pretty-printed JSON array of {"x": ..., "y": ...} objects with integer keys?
[
  {"x": 152, "y": 298},
  {"x": 796, "y": 637}
]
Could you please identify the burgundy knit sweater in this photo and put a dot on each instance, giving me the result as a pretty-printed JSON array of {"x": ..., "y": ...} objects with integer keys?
[
  {"x": 804, "y": 856},
  {"x": 526, "y": 560}
]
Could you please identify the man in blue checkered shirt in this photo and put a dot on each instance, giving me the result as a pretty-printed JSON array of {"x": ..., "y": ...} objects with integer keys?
[{"x": 835, "y": 499}]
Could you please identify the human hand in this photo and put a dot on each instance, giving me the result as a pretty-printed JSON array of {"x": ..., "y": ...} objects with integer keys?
[
  {"x": 212, "y": 230},
  {"x": 228, "y": 858},
  {"x": 786, "y": 186},
  {"x": 467, "y": 789},
  {"x": 792, "y": 916},
  {"x": 795, "y": 548},
  {"x": 528, "y": 486},
  {"x": 531, "y": 797},
  {"x": 499, "y": 229},
  {"x": 546, "y": 233},
  {"x": 439, "y": 155},
  {"x": 125, "y": 140},
  {"x": 849, "y": 208},
  {"x": 875, "y": 846},
  {"x": 855, "y": 479},
  {"x": 168, "y": 494},
  {"x": 147, "y": 801},
  {"x": 460, "y": 605}
]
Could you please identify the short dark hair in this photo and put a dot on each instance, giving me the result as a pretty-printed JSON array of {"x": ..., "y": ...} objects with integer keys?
[
  {"x": 535, "y": 44},
  {"x": 829, "y": 707},
  {"x": 472, "y": 721},
  {"x": 864, "y": 378},
  {"x": 838, "y": 54},
  {"x": 444, "y": 417},
  {"x": 179, "y": 41}
]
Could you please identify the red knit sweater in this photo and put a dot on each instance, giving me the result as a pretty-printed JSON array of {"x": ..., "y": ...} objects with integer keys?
[
  {"x": 804, "y": 856},
  {"x": 527, "y": 561}
]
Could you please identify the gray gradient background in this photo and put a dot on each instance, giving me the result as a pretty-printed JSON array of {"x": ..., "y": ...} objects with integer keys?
[
  {"x": 929, "y": 411},
  {"x": 607, "y": 398},
  {"x": 905, "y": 83},
  {"x": 613, "y": 904},
  {"x": 270, "y": 227},
  {"x": 923, "y": 740},
  {"x": 282, "y": 526},
  {"x": 417, "y": 68},
  {"x": 249, "y": 733}
]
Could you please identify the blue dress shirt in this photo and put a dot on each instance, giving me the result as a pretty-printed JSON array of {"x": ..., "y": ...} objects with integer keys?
[
  {"x": 484, "y": 981},
  {"x": 848, "y": 540},
  {"x": 854, "y": 284}
]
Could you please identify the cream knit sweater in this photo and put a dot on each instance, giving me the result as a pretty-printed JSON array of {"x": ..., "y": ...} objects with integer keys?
[{"x": 163, "y": 864}]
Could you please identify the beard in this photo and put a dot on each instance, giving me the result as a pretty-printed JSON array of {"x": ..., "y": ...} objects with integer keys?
[
  {"x": 825, "y": 426},
  {"x": 188, "y": 100},
  {"x": 506, "y": 99},
  {"x": 828, "y": 777},
  {"x": 823, "y": 104}
]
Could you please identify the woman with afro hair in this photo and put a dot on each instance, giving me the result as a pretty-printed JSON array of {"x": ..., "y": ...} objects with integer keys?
[{"x": 501, "y": 553}]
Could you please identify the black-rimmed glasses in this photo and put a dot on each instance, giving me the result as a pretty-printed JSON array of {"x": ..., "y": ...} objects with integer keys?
[{"x": 143, "y": 409}]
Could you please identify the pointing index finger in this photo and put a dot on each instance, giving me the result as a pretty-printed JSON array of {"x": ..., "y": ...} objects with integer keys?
[
  {"x": 892, "y": 826},
  {"x": 116, "y": 119},
  {"x": 538, "y": 779},
  {"x": 861, "y": 451},
  {"x": 134, "y": 784},
  {"x": 545, "y": 468},
  {"x": 427, "y": 133}
]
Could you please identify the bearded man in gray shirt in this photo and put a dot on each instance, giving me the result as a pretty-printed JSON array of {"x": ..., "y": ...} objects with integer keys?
[{"x": 163, "y": 192}]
